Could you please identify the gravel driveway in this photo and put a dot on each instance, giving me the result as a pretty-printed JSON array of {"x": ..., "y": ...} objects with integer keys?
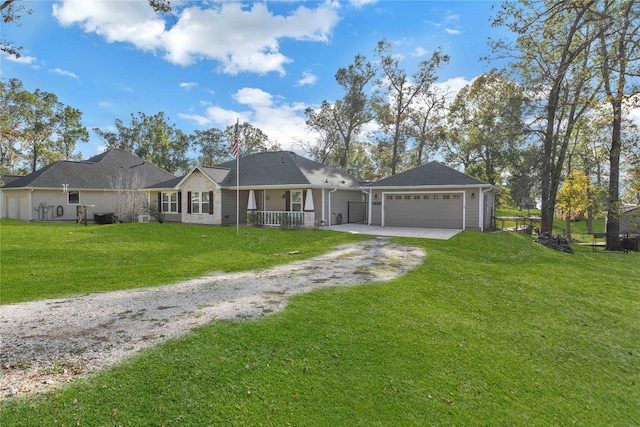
[{"x": 48, "y": 343}]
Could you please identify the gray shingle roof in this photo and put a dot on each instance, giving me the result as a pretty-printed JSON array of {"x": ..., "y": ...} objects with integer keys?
[
  {"x": 217, "y": 174},
  {"x": 430, "y": 174},
  {"x": 285, "y": 168},
  {"x": 115, "y": 169},
  {"x": 6, "y": 179}
]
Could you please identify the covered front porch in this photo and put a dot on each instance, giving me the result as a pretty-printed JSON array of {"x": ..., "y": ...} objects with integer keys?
[{"x": 280, "y": 207}]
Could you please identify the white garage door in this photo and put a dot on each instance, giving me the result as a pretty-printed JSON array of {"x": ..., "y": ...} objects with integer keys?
[{"x": 430, "y": 210}]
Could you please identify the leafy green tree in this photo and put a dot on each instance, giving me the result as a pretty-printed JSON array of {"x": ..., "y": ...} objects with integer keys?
[
  {"x": 552, "y": 55},
  {"x": 212, "y": 145},
  {"x": 326, "y": 147},
  {"x": 70, "y": 132},
  {"x": 152, "y": 138},
  {"x": 396, "y": 94},
  {"x": 573, "y": 198},
  {"x": 163, "y": 144},
  {"x": 250, "y": 140},
  {"x": 424, "y": 125},
  {"x": 619, "y": 59},
  {"x": 124, "y": 137},
  {"x": 523, "y": 176},
  {"x": 10, "y": 124},
  {"x": 40, "y": 120},
  {"x": 487, "y": 122},
  {"x": 338, "y": 124},
  {"x": 37, "y": 129}
]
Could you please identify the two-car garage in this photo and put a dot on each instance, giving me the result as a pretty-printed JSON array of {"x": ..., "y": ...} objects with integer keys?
[{"x": 423, "y": 209}]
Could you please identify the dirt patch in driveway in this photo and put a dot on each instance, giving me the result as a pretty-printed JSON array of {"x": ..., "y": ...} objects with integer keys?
[{"x": 50, "y": 342}]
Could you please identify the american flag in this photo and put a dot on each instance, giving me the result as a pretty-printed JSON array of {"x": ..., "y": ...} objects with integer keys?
[{"x": 235, "y": 143}]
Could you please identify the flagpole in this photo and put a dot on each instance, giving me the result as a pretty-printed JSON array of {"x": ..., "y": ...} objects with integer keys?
[{"x": 237, "y": 152}]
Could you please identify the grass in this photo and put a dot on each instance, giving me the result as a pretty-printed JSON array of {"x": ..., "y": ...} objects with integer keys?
[
  {"x": 48, "y": 260},
  {"x": 490, "y": 330},
  {"x": 578, "y": 228}
]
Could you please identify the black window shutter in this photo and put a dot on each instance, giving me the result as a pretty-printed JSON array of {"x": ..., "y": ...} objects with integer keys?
[
  {"x": 159, "y": 201},
  {"x": 210, "y": 202},
  {"x": 188, "y": 201},
  {"x": 180, "y": 202}
]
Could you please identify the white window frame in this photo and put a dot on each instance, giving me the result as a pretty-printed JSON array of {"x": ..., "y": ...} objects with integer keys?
[
  {"x": 170, "y": 202},
  {"x": 199, "y": 200}
]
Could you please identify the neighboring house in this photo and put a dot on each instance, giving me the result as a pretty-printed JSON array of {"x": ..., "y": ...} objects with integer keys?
[
  {"x": 432, "y": 196},
  {"x": 5, "y": 179},
  {"x": 106, "y": 183},
  {"x": 273, "y": 187}
]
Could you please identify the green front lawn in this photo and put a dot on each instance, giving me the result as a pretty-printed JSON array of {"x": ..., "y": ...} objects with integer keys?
[
  {"x": 492, "y": 329},
  {"x": 48, "y": 260}
]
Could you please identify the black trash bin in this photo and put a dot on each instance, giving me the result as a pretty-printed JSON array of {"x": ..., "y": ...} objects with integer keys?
[{"x": 103, "y": 218}]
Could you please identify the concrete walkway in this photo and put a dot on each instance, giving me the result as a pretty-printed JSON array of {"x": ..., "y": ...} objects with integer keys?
[{"x": 421, "y": 233}]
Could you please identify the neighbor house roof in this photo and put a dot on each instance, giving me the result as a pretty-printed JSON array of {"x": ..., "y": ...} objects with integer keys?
[
  {"x": 6, "y": 179},
  {"x": 285, "y": 168},
  {"x": 432, "y": 174},
  {"x": 115, "y": 169}
]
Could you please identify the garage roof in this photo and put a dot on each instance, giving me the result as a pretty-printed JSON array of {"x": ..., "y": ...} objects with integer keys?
[{"x": 431, "y": 174}]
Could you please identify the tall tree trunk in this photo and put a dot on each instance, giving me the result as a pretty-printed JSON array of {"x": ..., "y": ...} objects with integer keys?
[
  {"x": 613, "y": 215},
  {"x": 548, "y": 200}
]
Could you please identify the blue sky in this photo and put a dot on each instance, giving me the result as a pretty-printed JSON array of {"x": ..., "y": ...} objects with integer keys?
[{"x": 214, "y": 62}]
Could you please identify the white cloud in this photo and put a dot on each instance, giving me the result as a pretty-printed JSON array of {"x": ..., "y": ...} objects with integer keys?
[
  {"x": 119, "y": 21},
  {"x": 419, "y": 51},
  {"x": 105, "y": 104},
  {"x": 125, "y": 88},
  {"x": 62, "y": 72},
  {"x": 200, "y": 120},
  {"x": 240, "y": 38},
  {"x": 307, "y": 79},
  {"x": 362, "y": 3},
  {"x": 188, "y": 85},
  {"x": 452, "y": 86},
  {"x": 452, "y": 31},
  {"x": 282, "y": 122},
  {"x": 27, "y": 60}
]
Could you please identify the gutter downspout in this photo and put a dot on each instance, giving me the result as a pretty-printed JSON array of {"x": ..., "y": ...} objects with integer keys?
[{"x": 330, "y": 215}]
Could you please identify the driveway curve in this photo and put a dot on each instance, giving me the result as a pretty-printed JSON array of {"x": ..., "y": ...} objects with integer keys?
[{"x": 50, "y": 342}]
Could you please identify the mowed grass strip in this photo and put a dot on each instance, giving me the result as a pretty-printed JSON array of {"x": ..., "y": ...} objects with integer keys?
[
  {"x": 50, "y": 260},
  {"x": 490, "y": 330}
]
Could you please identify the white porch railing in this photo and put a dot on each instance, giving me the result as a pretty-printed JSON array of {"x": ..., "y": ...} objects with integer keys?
[{"x": 276, "y": 218}]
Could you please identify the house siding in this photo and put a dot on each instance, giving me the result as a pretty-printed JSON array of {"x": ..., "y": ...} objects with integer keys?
[
  {"x": 17, "y": 205},
  {"x": 229, "y": 206},
  {"x": 27, "y": 205},
  {"x": 168, "y": 217},
  {"x": 197, "y": 181},
  {"x": 472, "y": 208},
  {"x": 340, "y": 204}
]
